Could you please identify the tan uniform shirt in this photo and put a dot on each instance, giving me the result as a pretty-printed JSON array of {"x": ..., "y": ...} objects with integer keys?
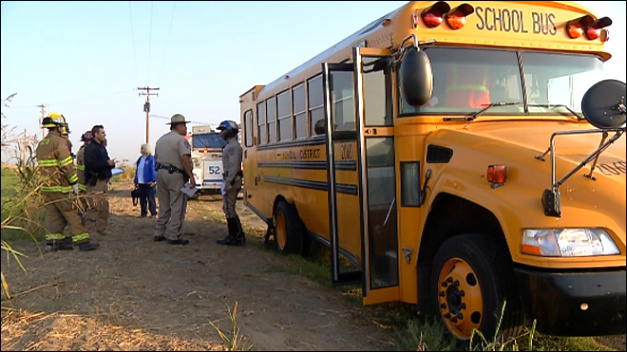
[
  {"x": 231, "y": 160},
  {"x": 170, "y": 148}
]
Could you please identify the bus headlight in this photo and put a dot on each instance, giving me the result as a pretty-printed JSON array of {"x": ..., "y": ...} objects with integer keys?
[{"x": 568, "y": 242}]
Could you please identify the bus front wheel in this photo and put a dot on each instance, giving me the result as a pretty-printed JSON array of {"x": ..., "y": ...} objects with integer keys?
[
  {"x": 470, "y": 284},
  {"x": 288, "y": 232}
]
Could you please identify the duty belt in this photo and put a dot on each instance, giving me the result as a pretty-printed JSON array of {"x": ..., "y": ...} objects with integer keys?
[{"x": 171, "y": 168}]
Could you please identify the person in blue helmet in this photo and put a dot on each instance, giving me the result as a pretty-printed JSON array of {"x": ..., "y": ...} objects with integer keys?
[{"x": 232, "y": 182}]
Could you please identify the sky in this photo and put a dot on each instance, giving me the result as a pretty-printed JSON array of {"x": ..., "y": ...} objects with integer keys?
[{"x": 87, "y": 59}]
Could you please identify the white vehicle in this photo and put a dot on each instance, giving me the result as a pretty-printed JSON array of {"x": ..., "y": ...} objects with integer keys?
[{"x": 207, "y": 147}]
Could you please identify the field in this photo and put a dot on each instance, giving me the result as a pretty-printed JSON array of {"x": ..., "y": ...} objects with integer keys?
[{"x": 135, "y": 294}]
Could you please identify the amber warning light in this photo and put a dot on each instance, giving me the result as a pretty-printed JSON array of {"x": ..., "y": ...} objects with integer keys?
[
  {"x": 497, "y": 175},
  {"x": 440, "y": 11},
  {"x": 588, "y": 26}
]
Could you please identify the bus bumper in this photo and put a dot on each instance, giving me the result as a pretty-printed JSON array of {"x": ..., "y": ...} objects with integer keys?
[{"x": 574, "y": 303}]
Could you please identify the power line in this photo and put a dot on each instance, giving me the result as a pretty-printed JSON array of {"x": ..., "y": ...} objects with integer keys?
[
  {"x": 168, "y": 118},
  {"x": 167, "y": 41},
  {"x": 133, "y": 40},
  {"x": 75, "y": 101},
  {"x": 152, "y": 3}
]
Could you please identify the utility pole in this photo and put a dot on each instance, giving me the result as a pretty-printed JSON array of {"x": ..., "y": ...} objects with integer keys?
[
  {"x": 43, "y": 114},
  {"x": 147, "y": 108}
]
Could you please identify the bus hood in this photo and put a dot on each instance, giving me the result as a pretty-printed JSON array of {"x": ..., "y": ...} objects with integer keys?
[
  {"x": 517, "y": 145},
  {"x": 536, "y": 137}
]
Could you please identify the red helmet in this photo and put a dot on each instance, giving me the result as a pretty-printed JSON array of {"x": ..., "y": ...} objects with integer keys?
[{"x": 86, "y": 137}]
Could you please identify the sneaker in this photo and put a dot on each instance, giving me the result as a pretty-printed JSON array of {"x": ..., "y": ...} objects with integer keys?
[
  {"x": 178, "y": 241},
  {"x": 159, "y": 238},
  {"x": 88, "y": 246}
]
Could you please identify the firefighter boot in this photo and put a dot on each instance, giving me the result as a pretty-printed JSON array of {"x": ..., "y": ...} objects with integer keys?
[
  {"x": 51, "y": 246},
  {"x": 241, "y": 236},
  {"x": 88, "y": 246},
  {"x": 231, "y": 238},
  {"x": 66, "y": 244}
]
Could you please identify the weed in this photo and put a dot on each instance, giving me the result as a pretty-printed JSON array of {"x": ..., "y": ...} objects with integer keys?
[{"x": 233, "y": 340}]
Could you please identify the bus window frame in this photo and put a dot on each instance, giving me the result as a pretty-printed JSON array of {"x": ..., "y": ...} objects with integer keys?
[
  {"x": 249, "y": 140},
  {"x": 288, "y": 116},
  {"x": 302, "y": 112}
]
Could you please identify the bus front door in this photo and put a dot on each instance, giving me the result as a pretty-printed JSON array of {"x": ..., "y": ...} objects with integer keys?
[
  {"x": 361, "y": 174},
  {"x": 342, "y": 174},
  {"x": 374, "y": 98}
]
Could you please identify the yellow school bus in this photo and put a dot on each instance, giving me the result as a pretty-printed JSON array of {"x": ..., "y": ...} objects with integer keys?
[{"x": 460, "y": 156}]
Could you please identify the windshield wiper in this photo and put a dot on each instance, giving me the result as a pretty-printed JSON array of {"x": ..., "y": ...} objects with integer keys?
[
  {"x": 550, "y": 106},
  {"x": 501, "y": 103}
]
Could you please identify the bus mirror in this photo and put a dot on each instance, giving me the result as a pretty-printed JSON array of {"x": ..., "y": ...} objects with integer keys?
[
  {"x": 416, "y": 77},
  {"x": 603, "y": 105}
]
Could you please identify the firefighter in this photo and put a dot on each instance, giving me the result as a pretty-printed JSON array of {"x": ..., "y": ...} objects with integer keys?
[
  {"x": 80, "y": 161},
  {"x": 80, "y": 172},
  {"x": 232, "y": 182},
  {"x": 467, "y": 86},
  {"x": 60, "y": 188}
]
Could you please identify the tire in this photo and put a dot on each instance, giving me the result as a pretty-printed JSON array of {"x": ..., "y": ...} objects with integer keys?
[
  {"x": 287, "y": 228},
  {"x": 470, "y": 281}
]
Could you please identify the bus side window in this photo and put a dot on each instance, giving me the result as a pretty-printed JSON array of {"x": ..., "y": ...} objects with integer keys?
[
  {"x": 315, "y": 105},
  {"x": 261, "y": 122}
]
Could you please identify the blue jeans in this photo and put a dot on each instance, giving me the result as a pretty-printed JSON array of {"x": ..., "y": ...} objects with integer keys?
[{"x": 147, "y": 195}]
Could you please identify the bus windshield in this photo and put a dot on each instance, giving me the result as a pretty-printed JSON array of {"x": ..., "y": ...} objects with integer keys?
[
  {"x": 208, "y": 140},
  {"x": 467, "y": 80}
]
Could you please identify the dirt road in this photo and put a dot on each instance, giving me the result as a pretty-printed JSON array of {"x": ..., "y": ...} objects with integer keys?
[{"x": 133, "y": 293}]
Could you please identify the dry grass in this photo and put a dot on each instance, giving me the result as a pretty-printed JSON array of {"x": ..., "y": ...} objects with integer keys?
[{"x": 26, "y": 331}]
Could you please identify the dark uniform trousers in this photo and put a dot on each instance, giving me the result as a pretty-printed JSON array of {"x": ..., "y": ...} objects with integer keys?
[{"x": 172, "y": 204}]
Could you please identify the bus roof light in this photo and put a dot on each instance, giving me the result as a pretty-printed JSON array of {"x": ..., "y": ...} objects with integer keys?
[
  {"x": 457, "y": 17},
  {"x": 593, "y": 31},
  {"x": 433, "y": 16},
  {"x": 575, "y": 28}
]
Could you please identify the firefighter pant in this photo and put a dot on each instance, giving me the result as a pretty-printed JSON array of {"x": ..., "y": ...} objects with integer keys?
[
  {"x": 228, "y": 205},
  {"x": 61, "y": 210},
  {"x": 172, "y": 204},
  {"x": 98, "y": 212}
]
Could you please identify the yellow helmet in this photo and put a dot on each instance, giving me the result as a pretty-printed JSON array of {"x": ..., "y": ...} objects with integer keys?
[
  {"x": 65, "y": 129},
  {"x": 54, "y": 119}
]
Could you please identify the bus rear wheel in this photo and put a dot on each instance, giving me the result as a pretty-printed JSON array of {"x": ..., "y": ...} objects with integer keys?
[
  {"x": 470, "y": 284},
  {"x": 288, "y": 231}
]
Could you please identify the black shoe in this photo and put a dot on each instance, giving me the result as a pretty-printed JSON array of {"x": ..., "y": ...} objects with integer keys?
[
  {"x": 159, "y": 238},
  {"x": 229, "y": 241},
  {"x": 88, "y": 246},
  {"x": 65, "y": 245},
  {"x": 178, "y": 241}
]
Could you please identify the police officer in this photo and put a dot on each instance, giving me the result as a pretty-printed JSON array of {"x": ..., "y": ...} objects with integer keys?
[
  {"x": 174, "y": 168},
  {"x": 60, "y": 188},
  {"x": 232, "y": 182}
]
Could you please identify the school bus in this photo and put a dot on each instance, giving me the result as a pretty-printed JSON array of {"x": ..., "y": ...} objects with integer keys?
[{"x": 442, "y": 154}]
